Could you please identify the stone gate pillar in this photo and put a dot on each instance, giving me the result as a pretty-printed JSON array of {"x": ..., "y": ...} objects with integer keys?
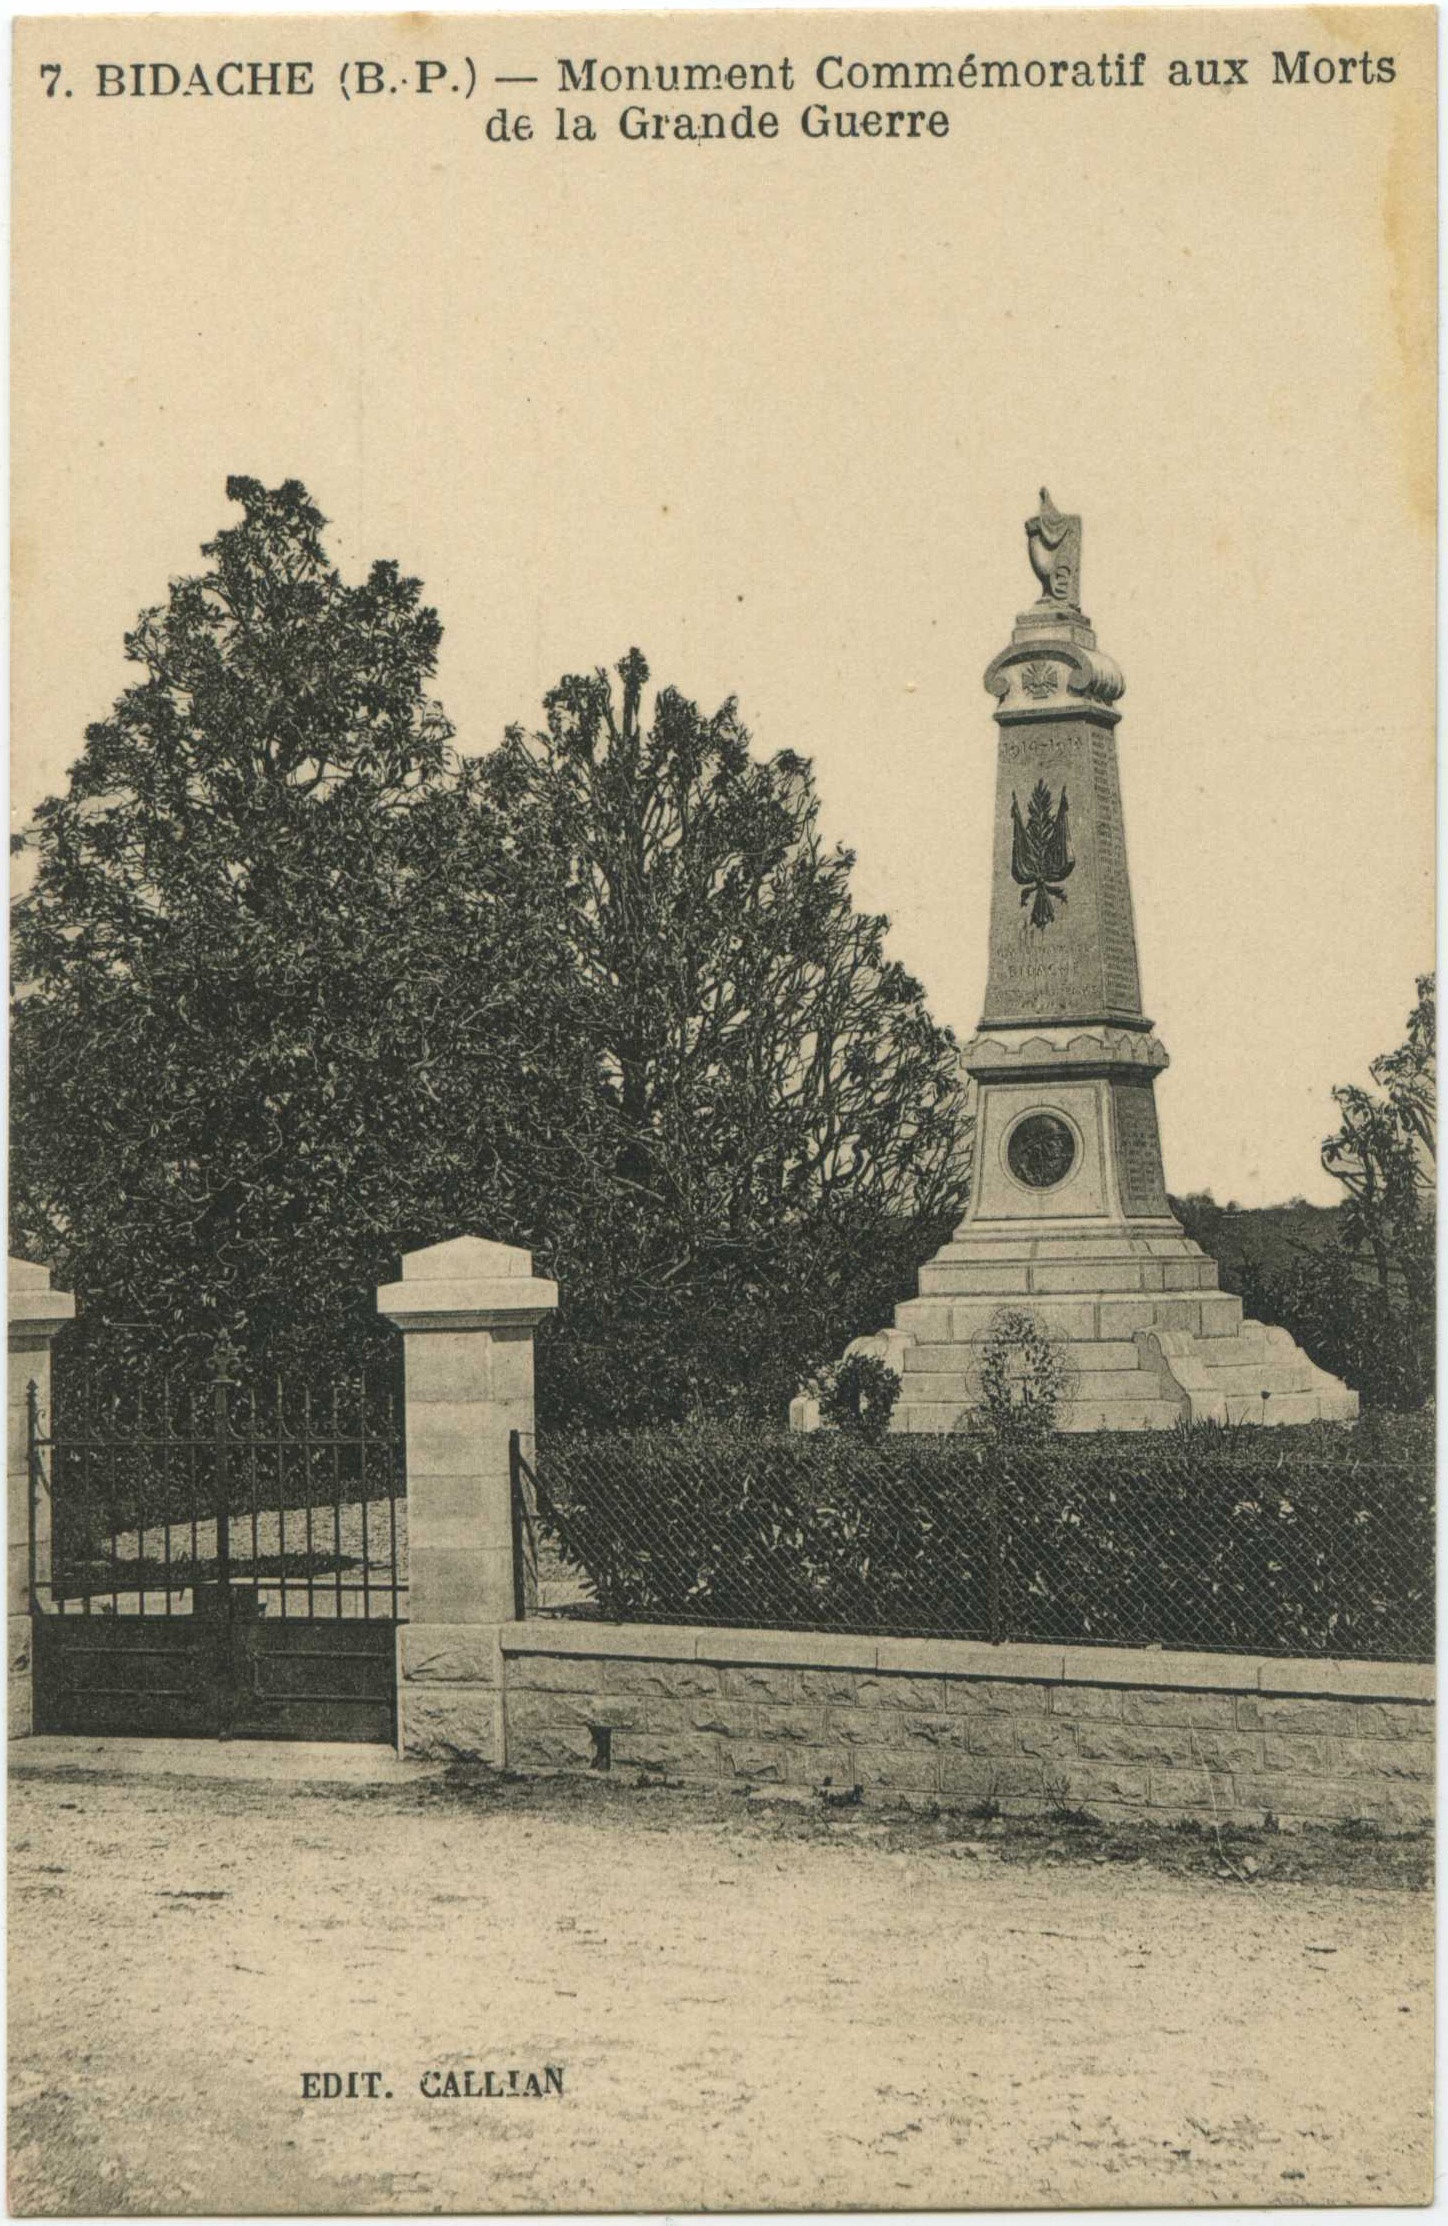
[
  {"x": 37, "y": 1315},
  {"x": 467, "y": 1310}
]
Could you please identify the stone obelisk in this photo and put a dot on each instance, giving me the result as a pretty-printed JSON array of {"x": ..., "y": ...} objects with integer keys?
[{"x": 1068, "y": 1216}]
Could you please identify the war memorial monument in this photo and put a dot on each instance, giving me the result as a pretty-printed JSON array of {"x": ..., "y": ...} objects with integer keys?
[{"x": 1068, "y": 1217}]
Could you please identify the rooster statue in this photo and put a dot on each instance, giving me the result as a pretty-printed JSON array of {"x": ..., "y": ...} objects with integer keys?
[{"x": 1054, "y": 542}]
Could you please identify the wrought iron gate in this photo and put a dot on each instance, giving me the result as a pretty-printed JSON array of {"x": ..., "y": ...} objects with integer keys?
[{"x": 215, "y": 1568}]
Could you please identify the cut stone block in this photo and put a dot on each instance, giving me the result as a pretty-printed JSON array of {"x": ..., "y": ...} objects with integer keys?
[
  {"x": 1093, "y": 1275},
  {"x": 952, "y": 1276},
  {"x": 923, "y": 1416},
  {"x": 1113, "y": 1353},
  {"x": 1073, "y": 1320},
  {"x": 1120, "y": 1414},
  {"x": 1134, "y": 1384},
  {"x": 938, "y": 1387},
  {"x": 1124, "y": 1317},
  {"x": 926, "y": 1321}
]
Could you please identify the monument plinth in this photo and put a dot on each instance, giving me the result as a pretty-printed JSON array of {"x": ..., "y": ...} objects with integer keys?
[{"x": 1068, "y": 1215}]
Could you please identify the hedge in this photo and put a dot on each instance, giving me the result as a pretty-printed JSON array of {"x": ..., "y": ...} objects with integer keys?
[{"x": 1231, "y": 1546}]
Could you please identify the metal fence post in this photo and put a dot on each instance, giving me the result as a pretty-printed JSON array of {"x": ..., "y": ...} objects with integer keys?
[
  {"x": 515, "y": 1484},
  {"x": 221, "y": 1382},
  {"x": 993, "y": 1521},
  {"x": 32, "y": 1463}
]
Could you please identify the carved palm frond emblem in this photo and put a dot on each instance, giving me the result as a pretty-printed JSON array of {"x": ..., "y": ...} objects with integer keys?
[{"x": 1041, "y": 853}]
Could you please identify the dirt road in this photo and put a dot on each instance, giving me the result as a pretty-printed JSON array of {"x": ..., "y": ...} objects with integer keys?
[{"x": 747, "y": 2009}]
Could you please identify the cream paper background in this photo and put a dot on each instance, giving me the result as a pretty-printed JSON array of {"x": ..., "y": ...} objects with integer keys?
[{"x": 776, "y": 413}]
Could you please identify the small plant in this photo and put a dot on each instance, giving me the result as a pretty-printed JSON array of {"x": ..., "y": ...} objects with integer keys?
[
  {"x": 1206, "y": 1430},
  {"x": 859, "y": 1397},
  {"x": 1061, "y": 1809},
  {"x": 1359, "y": 1828},
  {"x": 1025, "y": 1377}
]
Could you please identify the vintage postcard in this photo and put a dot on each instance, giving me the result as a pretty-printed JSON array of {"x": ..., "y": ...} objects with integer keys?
[{"x": 721, "y": 1111}]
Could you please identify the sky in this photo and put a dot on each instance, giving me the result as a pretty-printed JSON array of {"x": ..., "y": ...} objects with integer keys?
[{"x": 776, "y": 413}]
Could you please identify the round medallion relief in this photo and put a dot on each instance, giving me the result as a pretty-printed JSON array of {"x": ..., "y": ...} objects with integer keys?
[{"x": 1041, "y": 1150}]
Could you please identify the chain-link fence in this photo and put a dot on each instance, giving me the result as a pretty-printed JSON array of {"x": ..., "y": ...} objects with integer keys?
[{"x": 1234, "y": 1548}]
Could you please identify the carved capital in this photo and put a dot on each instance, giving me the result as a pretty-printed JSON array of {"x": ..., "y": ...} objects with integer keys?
[
  {"x": 37, "y": 1313},
  {"x": 1047, "y": 676}
]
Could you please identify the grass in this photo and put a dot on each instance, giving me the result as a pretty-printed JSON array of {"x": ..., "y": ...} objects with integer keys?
[
  {"x": 1358, "y": 1854},
  {"x": 1376, "y": 1439}
]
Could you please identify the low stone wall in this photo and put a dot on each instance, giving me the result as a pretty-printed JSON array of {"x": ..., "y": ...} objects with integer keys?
[{"x": 1120, "y": 1732}]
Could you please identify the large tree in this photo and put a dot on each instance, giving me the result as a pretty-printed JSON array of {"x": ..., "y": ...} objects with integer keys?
[
  {"x": 297, "y": 989},
  {"x": 285, "y": 1003},
  {"x": 776, "y": 1136}
]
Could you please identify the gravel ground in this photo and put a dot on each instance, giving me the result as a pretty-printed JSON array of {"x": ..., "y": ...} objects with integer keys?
[
  {"x": 134, "y": 1562},
  {"x": 752, "y": 2007}
]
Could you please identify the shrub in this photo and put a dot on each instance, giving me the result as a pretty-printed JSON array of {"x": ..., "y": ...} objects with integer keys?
[
  {"x": 1383, "y": 1347},
  {"x": 975, "y": 1538}
]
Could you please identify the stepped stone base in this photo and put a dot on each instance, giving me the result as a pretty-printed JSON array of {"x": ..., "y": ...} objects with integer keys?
[
  {"x": 1260, "y": 1375},
  {"x": 1150, "y": 1339}
]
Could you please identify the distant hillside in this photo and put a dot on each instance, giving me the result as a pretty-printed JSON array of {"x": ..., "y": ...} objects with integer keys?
[{"x": 1268, "y": 1236}]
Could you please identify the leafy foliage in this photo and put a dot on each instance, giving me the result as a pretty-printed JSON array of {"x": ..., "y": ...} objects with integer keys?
[
  {"x": 1236, "y": 1546},
  {"x": 296, "y": 990},
  {"x": 1385, "y": 1354},
  {"x": 1385, "y": 1156},
  {"x": 1361, "y": 1303},
  {"x": 776, "y": 1131},
  {"x": 285, "y": 999}
]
